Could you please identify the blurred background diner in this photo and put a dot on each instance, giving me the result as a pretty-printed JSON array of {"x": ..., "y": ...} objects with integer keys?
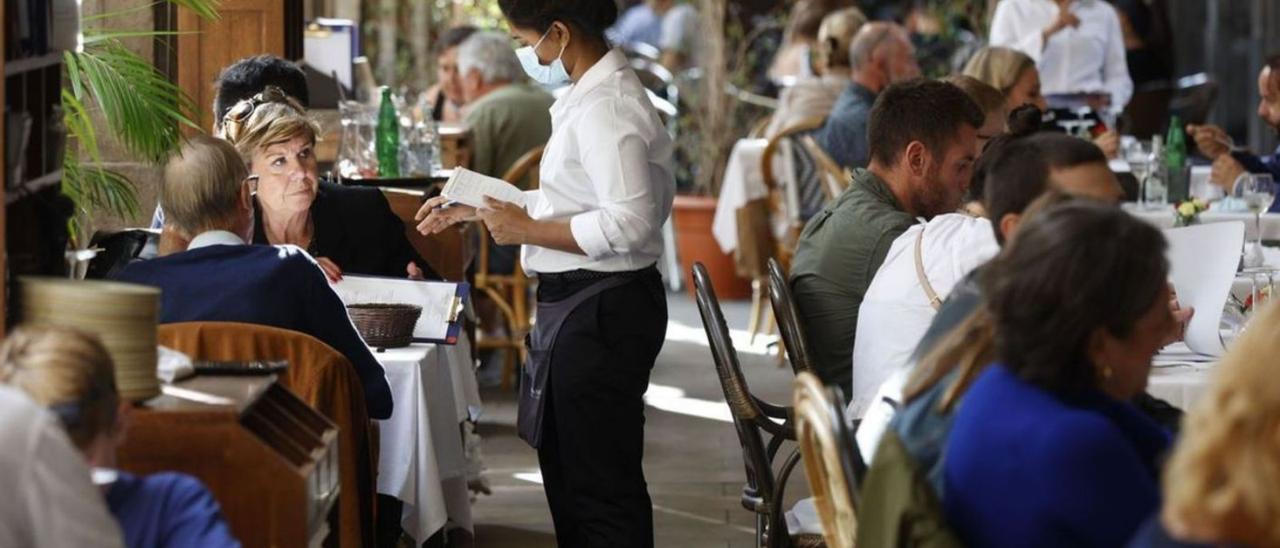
[{"x": 254, "y": 294}]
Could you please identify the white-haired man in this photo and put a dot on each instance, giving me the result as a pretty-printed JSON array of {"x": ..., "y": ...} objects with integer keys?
[{"x": 508, "y": 116}]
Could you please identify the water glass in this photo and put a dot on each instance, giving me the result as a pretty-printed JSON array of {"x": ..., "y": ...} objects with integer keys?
[{"x": 1258, "y": 192}]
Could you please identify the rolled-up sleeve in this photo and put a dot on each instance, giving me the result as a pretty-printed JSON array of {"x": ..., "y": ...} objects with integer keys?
[{"x": 614, "y": 141}]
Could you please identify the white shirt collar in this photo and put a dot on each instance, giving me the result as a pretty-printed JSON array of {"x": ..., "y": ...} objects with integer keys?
[
  {"x": 214, "y": 237},
  {"x": 612, "y": 62}
]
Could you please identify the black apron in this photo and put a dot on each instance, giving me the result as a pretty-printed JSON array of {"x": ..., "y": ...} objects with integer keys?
[{"x": 533, "y": 378}]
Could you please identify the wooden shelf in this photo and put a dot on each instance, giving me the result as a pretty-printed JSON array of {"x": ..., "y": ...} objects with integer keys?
[
  {"x": 13, "y": 67},
  {"x": 32, "y": 186}
]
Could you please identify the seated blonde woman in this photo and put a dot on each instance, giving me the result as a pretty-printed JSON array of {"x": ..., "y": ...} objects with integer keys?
[
  {"x": 1222, "y": 484},
  {"x": 208, "y": 194},
  {"x": 1016, "y": 76},
  {"x": 347, "y": 229},
  {"x": 71, "y": 374},
  {"x": 814, "y": 97}
]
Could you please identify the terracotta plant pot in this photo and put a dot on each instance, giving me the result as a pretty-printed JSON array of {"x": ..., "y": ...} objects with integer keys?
[{"x": 692, "y": 216}]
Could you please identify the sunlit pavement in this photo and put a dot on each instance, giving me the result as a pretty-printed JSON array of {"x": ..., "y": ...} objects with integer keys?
[{"x": 692, "y": 460}]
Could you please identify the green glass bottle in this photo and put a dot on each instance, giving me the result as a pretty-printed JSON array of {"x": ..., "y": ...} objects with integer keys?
[
  {"x": 387, "y": 142},
  {"x": 1175, "y": 159}
]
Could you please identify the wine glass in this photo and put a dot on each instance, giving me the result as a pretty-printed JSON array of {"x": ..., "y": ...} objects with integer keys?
[
  {"x": 1138, "y": 155},
  {"x": 1257, "y": 191}
]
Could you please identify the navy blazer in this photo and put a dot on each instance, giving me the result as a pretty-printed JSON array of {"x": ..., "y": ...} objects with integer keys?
[{"x": 279, "y": 286}]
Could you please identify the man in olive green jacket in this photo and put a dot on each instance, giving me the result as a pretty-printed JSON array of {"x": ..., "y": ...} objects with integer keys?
[{"x": 923, "y": 146}]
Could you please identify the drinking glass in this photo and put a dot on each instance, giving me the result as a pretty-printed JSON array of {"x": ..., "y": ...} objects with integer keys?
[
  {"x": 1138, "y": 155},
  {"x": 1257, "y": 191}
]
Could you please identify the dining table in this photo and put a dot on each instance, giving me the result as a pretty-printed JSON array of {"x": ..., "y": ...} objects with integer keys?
[{"x": 423, "y": 458}]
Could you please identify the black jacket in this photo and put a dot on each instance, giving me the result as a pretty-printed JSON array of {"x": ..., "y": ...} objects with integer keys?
[{"x": 356, "y": 229}]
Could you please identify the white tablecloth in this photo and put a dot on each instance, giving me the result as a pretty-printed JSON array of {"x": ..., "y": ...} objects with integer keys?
[
  {"x": 1180, "y": 376},
  {"x": 744, "y": 182},
  {"x": 421, "y": 459},
  {"x": 1165, "y": 217}
]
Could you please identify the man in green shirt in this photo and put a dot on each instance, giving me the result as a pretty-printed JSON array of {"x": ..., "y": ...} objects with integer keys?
[
  {"x": 508, "y": 117},
  {"x": 922, "y": 136}
]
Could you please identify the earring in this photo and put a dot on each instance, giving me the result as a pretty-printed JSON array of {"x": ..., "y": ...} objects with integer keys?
[{"x": 1106, "y": 372}]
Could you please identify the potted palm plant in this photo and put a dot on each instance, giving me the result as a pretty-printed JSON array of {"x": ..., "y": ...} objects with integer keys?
[
  {"x": 715, "y": 118},
  {"x": 113, "y": 89}
]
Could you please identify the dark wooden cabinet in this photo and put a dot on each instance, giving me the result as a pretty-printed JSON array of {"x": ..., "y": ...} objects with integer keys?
[{"x": 269, "y": 459}]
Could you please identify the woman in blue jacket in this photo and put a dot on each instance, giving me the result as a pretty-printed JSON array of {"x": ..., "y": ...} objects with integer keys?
[{"x": 1047, "y": 449}]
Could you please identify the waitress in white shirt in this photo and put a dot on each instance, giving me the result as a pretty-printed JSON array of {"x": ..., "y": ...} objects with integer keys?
[
  {"x": 1077, "y": 45},
  {"x": 592, "y": 235}
]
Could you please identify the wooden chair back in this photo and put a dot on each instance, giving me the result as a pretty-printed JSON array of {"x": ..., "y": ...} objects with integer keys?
[
  {"x": 320, "y": 376},
  {"x": 787, "y": 315},
  {"x": 784, "y": 246},
  {"x": 834, "y": 178},
  {"x": 509, "y": 292},
  {"x": 753, "y": 420},
  {"x": 1193, "y": 98},
  {"x": 448, "y": 252},
  {"x": 829, "y": 458}
]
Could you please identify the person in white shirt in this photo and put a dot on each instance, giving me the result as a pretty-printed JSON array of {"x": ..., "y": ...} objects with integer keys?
[
  {"x": 1077, "y": 45},
  {"x": 591, "y": 234},
  {"x": 1016, "y": 170},
  {"x": 50, "y": 499},
  {"x": 681, "y": 42},
  {"x": 922, "y": 266}
]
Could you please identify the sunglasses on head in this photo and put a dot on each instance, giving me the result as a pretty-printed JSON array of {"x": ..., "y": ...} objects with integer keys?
[{"x": 234, "y": 122}]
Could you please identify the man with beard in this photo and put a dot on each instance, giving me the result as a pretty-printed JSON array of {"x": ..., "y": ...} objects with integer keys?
[
  {"x": 922, "y": 137},
  {"x": 1214, "y": 143}
]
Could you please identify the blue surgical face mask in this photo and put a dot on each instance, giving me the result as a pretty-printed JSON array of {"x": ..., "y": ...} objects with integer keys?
[{"x": 547, "y": 75}]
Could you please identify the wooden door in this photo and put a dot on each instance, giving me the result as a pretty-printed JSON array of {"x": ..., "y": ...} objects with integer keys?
[{"x": 245, "y": 28}]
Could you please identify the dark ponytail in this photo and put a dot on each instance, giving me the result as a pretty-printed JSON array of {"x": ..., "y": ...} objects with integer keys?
[{"x": 591, "y": 17}]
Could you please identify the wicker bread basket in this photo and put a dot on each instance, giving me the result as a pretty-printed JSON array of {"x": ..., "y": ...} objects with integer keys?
[{"x": 385, "y": 325}]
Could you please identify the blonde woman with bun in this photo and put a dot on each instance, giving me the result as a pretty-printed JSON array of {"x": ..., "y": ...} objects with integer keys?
[
  {"x": 1222, "y": 483},
  {"x": 70, "y": 373},
  {"x": 814, "y": 97},
  {"x": 1015, "y": 74}
]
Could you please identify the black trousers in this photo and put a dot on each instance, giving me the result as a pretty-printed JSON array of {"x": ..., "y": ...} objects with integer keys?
[{"x": 593, "y": 422}]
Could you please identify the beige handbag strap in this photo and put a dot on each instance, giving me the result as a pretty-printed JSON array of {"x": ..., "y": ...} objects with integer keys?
[{"x": 934, "y": 300}]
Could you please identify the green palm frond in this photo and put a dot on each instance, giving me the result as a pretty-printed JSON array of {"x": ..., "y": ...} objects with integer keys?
[
  {"x": 142, "y": 107},
  {"x": 139, "y": 106}
]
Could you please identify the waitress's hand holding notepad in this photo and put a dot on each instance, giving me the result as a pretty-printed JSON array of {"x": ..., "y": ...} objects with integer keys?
[{"x": 469, "y": 188}]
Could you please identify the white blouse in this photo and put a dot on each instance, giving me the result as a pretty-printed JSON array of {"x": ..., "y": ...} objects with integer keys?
[
  {"x": 607, "y": 169},
  {"x": 895, "y": 311},
  {"x": 1083, "y": 59}
]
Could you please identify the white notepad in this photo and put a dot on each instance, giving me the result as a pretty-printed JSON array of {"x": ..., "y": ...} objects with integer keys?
[
  {"x": 1202, "y": 265},
  {"x": 469, "y": 188}
]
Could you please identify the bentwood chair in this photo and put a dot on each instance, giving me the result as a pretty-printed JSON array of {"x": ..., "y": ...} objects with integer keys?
[
  {"x": 794, "y": 342},
  {"x": 834, "y": 178},
  {"x": 1193, "y": 98},
  {"x": 320, "y": 376},
  {"x": 754, "y": 420},
  {"x": 832, "y": 462},
  {"x": 509, "y": 292},
  {"x": 784, "y": 203}
]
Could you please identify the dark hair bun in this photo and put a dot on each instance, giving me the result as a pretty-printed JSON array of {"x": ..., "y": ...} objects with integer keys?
[
  {"x": 1024, "y": 120},
  {"x": 590, "y": 16}
]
